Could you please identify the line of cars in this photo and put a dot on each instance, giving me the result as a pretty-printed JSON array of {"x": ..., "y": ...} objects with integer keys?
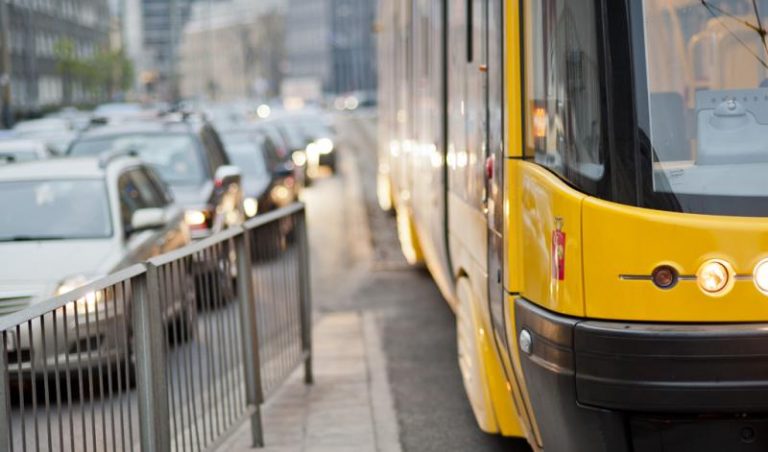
[{"x": 131, "y": 187}]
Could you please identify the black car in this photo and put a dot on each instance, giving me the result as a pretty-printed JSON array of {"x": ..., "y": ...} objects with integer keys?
[
  {"x": 269, "y": 180},
  {"x": 189, "y": 156},
  {"x": 284, "y": 152},
  {"x": 317, "y": 135}
]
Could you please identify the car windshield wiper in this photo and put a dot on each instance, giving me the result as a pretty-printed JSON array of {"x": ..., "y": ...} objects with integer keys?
[
  {"x": 31, "y": 238},
  {"x": 759, "y": 29}
]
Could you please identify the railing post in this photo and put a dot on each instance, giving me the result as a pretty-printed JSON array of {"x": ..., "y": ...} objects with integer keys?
[
  {"x": 250, "y": 336},
  {"x": 149, "y": 353},
  {"x": 5, "y": 432},
  {"x": 306, "y": 297}
]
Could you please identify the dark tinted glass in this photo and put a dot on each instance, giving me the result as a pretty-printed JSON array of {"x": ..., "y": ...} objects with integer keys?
[{"x": 563, "y": 109}]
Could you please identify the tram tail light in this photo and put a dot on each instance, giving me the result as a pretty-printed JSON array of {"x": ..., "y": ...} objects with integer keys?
[{"x": 540, "y": 122}]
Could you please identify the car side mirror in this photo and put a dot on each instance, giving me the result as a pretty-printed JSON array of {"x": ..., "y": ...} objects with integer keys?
[
  {"x": 227, "y": 175},
  {"x": 145, "y": 219}
]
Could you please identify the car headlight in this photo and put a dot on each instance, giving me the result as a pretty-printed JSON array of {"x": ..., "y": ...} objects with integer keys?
[
  {"x": 251, "y": 207},
  {"x": 324, "y": 146},
  {"x": 299, "y": 158},
  {"x": 70, "y": 284},
  {"x": 281, "y": 195},
  {"x": 88, "y": 303},
  {"x": 196, "y": 219}
]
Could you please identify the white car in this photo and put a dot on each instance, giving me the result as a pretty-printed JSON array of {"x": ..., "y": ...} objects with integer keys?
[
  {"x": 18, "y": 151},
  {"x": 68, "y": 222}
]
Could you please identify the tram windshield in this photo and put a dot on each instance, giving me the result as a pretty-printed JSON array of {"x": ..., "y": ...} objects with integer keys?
[{"x": 706, "y": 63}]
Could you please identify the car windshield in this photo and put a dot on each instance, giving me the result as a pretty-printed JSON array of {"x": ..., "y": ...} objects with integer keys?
[
  {"x": 54, "y": 210},
  {"x": 706, "y": 66},
  {"x": 110, "y": 109},
  {"x": 246, "y": 155},
  {"x": 175, "y": 156}
]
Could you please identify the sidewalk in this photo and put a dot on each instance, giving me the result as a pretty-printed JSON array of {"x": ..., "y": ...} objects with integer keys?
[{"x": 349, "y": 408}]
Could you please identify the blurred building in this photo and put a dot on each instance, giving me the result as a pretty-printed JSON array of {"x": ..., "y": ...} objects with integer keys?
[
  {"x": 353, "y": 46},
  {"x": 233, "y": 50},
  {"x": 308, "y": 45},
  {"x": 36, "y": 33},
  {"x": 129, "y": 14},
  {"x": 161, "y": 22},
  {"x": 332, "y": 41}
]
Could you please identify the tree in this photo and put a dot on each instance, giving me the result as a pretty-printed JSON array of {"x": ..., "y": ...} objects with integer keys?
[
  {"x": 107, "y": 72},
  {"x": 68, "y": 65}
]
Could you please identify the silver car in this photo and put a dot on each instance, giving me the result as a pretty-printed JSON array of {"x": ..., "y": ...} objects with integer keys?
[{"x": 68, "y": 222}]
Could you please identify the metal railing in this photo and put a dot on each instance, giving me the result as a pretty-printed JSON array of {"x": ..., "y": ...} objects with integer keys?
[{"x": 173, "y": 354}]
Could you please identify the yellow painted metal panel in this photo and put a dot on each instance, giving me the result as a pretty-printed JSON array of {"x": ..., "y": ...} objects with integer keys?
[
  {"x": 624, "y": 240},
  {"x": 513, "y": 267},
  {"x": 514, "y": 103},
  {"x": 547, "y": 203}
]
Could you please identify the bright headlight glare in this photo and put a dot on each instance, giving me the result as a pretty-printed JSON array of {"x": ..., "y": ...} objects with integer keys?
[
  {"x": 761, "y": 276},
  {"x": 714, "y": 277},
  {"x": 281, "y": 195},
  {"x": 194, "y": 217},
  {"x": 251, "y": 206},
  {"x": 70, "y": 284},
  {"x": 299, "y": 158},
  {"x": 263, "y": 111},
  {"x": 89, "y": 303},
  {"x": 324, "y": 146}
]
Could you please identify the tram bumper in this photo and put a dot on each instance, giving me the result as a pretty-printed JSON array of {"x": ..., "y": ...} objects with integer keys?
[{"x": 614, "y": 386}]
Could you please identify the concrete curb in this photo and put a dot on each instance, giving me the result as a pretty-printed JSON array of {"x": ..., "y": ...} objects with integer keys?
[
  {"x": 357, "y": 218},
  {"x": 382, "y": 403}
]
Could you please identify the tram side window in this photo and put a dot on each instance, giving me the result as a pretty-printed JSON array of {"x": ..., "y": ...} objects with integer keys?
[{"x": 563, "y": 114}]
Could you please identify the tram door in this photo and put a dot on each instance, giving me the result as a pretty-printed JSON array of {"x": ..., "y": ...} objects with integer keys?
[{"x": 495, "y": 164}]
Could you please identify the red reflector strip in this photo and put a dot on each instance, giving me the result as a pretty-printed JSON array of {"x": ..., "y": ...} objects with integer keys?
[{"x": 558, "y": 255}]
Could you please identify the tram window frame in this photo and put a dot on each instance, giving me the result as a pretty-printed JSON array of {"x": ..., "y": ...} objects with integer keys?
[{"x": 596, "y": 184}]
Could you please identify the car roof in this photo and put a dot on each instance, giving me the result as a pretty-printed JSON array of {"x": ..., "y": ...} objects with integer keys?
[
  {"x": 12, "y": 144},
  {"x": 62, "y": 168},
  {"x": 42, "y": 124},
  {"x": 138, "y": 127}
]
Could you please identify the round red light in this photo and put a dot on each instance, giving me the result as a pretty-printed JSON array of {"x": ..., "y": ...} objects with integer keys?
[{"x": 665, "y": 277}]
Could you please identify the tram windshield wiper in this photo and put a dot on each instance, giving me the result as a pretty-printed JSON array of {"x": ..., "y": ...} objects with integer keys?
[{"x": 759, "y": 29}]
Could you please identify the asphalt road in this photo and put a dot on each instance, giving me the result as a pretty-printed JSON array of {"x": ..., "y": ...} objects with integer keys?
[{"x": 417, "y": 326}]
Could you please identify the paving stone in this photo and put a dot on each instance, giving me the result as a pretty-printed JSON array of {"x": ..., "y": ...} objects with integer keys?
[{"x": 334, "y": 414}]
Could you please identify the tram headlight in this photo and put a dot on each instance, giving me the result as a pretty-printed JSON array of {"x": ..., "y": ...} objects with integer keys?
[
  {"x": 761, "y": 276},
  {"x": 715, "y": 277}
]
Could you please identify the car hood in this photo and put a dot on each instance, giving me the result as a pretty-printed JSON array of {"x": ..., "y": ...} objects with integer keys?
[
  {"x": 192, "y": 196},
  {"x": 49, "y": 262}
]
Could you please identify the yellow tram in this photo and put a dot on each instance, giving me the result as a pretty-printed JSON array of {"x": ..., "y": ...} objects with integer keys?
[{"x": 587, "y": 181}]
